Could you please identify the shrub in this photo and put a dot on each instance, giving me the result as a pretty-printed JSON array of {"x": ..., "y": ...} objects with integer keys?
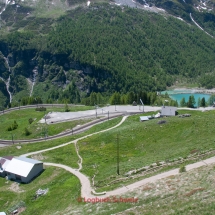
[
  {"x": 30, "y": 120},
  {"x": 66, "y": 108},
  {"x": 27, "y": 132},
  {"x": 13, "y": 126},
  {"x": 9, "y": 128},
  {"x": 182, "y": 169}
]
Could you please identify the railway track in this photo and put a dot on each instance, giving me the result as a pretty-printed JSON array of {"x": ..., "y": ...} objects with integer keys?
[{"x": 35, "y": 106}]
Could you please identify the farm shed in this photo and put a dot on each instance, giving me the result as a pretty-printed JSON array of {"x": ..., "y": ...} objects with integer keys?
[
  {"x": 168, "y": 111},
  {"x": 23, "y": 169}
]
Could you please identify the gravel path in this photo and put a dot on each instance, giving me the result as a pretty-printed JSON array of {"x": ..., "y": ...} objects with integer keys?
[{"x": 88, "y": 192}]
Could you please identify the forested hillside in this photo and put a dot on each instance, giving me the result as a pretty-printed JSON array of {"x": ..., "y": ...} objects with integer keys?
[
  {"x": 103, "y": 48},
  {"x": 138, "y": 50}
]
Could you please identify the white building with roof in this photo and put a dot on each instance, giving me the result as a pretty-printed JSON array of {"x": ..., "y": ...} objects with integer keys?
[
  {"x": 23, "y": 169},
  {"x": 168, "y": 111}
]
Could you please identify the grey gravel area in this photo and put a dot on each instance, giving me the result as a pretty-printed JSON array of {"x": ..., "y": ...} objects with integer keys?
[{"x": 54, "y": 117}]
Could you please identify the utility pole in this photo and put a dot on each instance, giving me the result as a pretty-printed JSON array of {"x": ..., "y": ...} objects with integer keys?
[
  {"x": 96, "y": 109},
  {"x": 44, "y": 129},
  {"x": 117, "y": 154},
  {"x": 142, "y": 104},
  {"x": 46, "y": 126},
  {"x": 47, "y": 130},
  {"x": 45, "y": 116},
  {"x": 12, "y": 136}
]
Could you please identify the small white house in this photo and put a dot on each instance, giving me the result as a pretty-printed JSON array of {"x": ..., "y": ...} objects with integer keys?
[
  {"x": 23, "y": 169},
  {"x": 168, "y": 111}
]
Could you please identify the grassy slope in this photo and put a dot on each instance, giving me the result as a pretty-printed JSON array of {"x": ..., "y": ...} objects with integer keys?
[
  {"x": 173, "y": 195},
  {"x": 142, "y": 144},
  {"x": 62, "y": 155},
  {"x": 67, "y": 155},
  {"x": 55, "y": 200},
  {"x": 188, "y": 193}
]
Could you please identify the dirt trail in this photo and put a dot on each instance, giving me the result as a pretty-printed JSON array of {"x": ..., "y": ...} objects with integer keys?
[{"x": 88, "y": 192}]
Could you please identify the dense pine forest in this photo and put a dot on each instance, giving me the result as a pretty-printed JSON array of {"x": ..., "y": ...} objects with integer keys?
[{"x": 103, "y": 49}]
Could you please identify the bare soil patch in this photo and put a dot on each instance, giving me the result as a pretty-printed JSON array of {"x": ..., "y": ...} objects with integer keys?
[{"x": 15, "y": 188}]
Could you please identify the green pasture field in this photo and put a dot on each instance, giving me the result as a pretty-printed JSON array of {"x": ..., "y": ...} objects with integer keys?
[
  {"x": 144, "y": 143},
  {"x": 67, "y": 155},
  {"x": 64, "y": 189},
  {"x": 38, "y": 130}
]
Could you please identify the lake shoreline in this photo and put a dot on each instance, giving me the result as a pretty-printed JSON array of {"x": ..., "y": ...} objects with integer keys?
[
  {"x": 184, "y": 90},
  {"x": 178, "y": 94}
]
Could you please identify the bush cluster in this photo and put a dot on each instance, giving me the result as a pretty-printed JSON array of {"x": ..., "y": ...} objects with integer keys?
[
  {"x": 30, "y": 120},
  {"x": 13, "y": 126},
  {"x": 27, "y": 132}
]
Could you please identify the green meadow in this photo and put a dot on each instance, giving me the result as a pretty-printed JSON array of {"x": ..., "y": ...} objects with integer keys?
[
  {"x": 144, "y": 143},
  {"x": 61, "y": 184},
  {"x": 36, "y": 129}
]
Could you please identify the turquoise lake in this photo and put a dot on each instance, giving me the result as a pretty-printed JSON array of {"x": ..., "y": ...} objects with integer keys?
[{"x": 178, "y": 97}]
